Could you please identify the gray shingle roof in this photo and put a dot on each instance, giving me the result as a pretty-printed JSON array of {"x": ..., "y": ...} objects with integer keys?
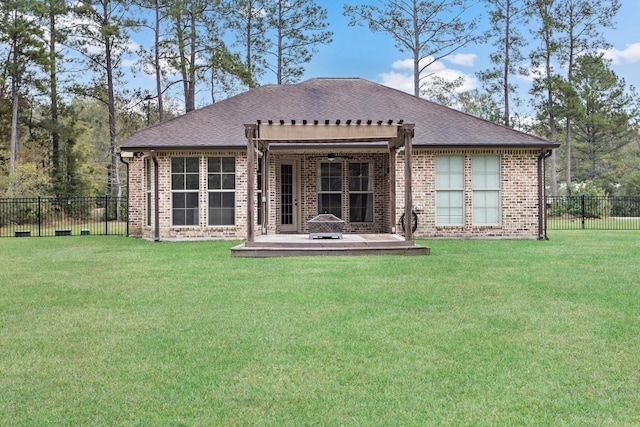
[{"x": 222, "y": 124}]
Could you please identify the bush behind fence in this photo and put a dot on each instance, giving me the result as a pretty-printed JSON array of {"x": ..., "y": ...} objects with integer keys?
[
  {"x": 49, "y": 216},
  {"x": 593, "y": 212}
]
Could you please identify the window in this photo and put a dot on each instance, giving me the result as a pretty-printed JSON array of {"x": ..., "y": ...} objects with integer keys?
[
  {"x": 360, "y": 192},
  {"x": 185, "y": 185},
  {"x": 147, "y": 176},
  {"x": 221, "y": 184},
  {"x": 485, "y": 180},
  {"x": 449, "y": 190},
  {"x": 330, "y": 188},
  {"x": 259, "y": 191}
]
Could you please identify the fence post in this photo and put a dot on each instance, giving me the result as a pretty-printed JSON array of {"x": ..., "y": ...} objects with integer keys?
[
  {"x": 39, "y": 215},
  {"x": 106, "y": 214},
  {"x": 582, "y": 210}
]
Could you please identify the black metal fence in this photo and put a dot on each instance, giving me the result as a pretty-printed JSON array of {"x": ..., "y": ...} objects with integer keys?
[
  {"x": 76, "y": 216},
  {"x": 593, "y": 213}
]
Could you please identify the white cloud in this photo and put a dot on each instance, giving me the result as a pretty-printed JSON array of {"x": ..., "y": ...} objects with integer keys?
[
  {"x": 463, "y": 59},
  {"x": 402, "y": 79},
  {"x": 630, "y": 54}
]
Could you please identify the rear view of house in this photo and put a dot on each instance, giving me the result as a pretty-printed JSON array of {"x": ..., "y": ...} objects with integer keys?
[{"x": 269, "y": 160}]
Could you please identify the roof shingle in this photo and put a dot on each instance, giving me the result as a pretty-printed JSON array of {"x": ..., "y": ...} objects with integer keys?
[{"x": 222, "y": 124}]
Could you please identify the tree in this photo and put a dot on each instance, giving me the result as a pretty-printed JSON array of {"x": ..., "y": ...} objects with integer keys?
[
  {"x": 196, "y": 49},
  {"x": 25, "y": 48},
  {"x": 102, "y": 39},
  {"x": 506, "y": 18},
  {"x": 56, "y": 119},
  {"x": 581, "y": 22},
  {"x": 296, "y": 28},
  {"x": 545, "y": 78},
  {"x": 155, "y": 59},
  {"x": 429, "y": 30},
  {"x": 247, "y": 19},
  {"x": 601, "y": 119}
]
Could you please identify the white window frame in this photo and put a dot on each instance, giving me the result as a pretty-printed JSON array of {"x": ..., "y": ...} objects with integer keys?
[
  {"x": 486, "y": 188},
  {"x": 449, "y": 190},
  {"x": 227, "y": 187},
  {"x": 361, "y": 191},
  {"x": 186, "y": 191},
  {"x": 322, "y": 191}
]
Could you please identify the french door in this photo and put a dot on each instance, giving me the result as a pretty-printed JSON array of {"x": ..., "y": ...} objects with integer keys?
[{"x": 289, "y": 197}]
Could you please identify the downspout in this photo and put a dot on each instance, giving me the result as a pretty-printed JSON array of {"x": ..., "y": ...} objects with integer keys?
[
  {"x": 127, "y": 164},
  {"x": 156, "y": 195},
  {"x": 542, "y": 210}
]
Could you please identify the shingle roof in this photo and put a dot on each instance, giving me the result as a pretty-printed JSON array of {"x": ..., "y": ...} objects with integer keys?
[{"x": 222, "y": 124}]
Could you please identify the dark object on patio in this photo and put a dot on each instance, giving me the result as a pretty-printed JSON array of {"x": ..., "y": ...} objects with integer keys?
[
  {"x": 325, "y": 225},
  {"x": 23, "y": 233},
  {"x": 63, "y": 232}
]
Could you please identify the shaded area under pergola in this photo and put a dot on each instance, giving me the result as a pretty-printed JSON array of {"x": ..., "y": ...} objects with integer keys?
[{"x": 262, "y": 135}]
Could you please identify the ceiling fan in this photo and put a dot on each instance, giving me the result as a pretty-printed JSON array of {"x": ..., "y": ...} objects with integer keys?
[{"x": 332, "y": 156}]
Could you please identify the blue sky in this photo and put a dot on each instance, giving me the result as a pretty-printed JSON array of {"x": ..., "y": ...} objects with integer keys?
[{"x": 358, "y": 52}]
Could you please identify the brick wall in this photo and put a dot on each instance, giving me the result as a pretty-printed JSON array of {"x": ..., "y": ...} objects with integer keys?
[{"x": 519, "y": 195}]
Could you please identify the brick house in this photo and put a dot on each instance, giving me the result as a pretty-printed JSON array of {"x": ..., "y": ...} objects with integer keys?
[{"x": 349, "y": 147}]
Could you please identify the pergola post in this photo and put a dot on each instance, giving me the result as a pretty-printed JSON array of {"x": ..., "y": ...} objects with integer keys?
[
  {"x": 407, "y": 131},
  {"x": 250, "y": 132}
]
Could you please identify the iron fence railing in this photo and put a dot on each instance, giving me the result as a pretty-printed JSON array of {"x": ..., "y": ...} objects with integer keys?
[
  {"x": 75, "y": 216},
  {"x": 593, "y": 212}
]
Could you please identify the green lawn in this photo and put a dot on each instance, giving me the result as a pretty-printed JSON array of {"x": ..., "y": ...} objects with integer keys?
[{"x": 119, "y": 331}]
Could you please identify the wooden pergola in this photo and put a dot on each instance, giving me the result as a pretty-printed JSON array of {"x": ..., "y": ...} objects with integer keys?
[{"x": 261, "y": 135}]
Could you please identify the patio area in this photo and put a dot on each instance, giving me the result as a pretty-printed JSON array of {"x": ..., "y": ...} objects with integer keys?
[{"x": 278, "y": 245}]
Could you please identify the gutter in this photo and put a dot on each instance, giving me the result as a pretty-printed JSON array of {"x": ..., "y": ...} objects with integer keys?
[
  {"x": 542, "y": 211},
  {"x": 127, "y": 164},
  {"x": 156, "y": 196}
]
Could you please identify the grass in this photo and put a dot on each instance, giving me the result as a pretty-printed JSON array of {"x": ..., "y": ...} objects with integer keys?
[{"x": 120, "y": 331}]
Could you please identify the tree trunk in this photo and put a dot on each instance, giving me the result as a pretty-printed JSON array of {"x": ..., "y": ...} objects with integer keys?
[
  {"x": 56, "y": 173},
  {"x": 507, "y": 46},
  {"x": 15, "y": 127},
  {"x": 280, "y": 48},
  {"x": 157, "y": 63},
  {"x": 416, "y": 53},
  {"x": 114, "y": 170}
]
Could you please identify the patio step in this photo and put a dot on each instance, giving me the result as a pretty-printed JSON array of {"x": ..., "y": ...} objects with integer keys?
[{"x": 297, "y": 245}]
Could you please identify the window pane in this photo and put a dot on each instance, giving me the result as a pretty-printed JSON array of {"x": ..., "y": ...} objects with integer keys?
[
  {"x": 221, "y": 208},
  {"x": 191, "y": 217},
  {"x": 214, "y": 182},
  {"x": 179, "y": 200},
  {"x": 449, "y": 207},
  {"x": 177, "y": 182},
  {"x": 179, "y": 217},
  {"x": 213, "y": 164},
  {"x": 215, "y": 200},
  {"x": 228, "y": 164},
  {"x": 486, "y": 207},
  {"x": 361, "y": 207},
  {"x": 193, "y": 181},
  {"x": 330, "y": 203},
  {"x": 228, "y": 181},
  {"x": 191, "y": 200},
  {"x": 449, "y": 172},
  {"x": 228, "y": 200},
  {"x": 177, "y": 164},
  {"x": 193, "y": 165},
  {"x": 485, "y": 172}
]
